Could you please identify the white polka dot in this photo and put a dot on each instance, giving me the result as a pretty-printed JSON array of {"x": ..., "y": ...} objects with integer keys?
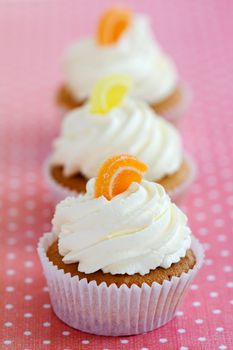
[
  {"x": 31, "y": 177},
  {"x": 14, "y": 183},
  {"x": 46, "y": 306},
  {"x": 12, "y": 226},
  {"x": 28, "y": 263},
  {"x": 28, "y": 297},
  {"x": 216, "y": 311},
  {"x": 46, "y": 342},
  {"x": 87, "y": 341},
  {"x": 200, "y": 216},
  {"x": 202, "y": 339},
  {"x": 13, "y": 212},
  {"x": 29, "y": 248},
  {"x": 213, "y": 294},
  {"x": 229, "y": 284},
  {"x": 181, "y": 330},
  {"x": 7, "y": 342},
  {"x": 144, "y": 349},
  {"x": 45, "y": 289},
  {"x": 30, "y": 191},
  {"x": 203, "y": 231},
  {"x": 213, "y": 194},
  {"x": 123, "y": 341},
  {"x": 219, "y": 329},
  {"x": 206, "y": 246},
  {"x": 29, "y": 219},
  {"x": 11, "y": 256},
  {"x": 216, "y": 208},
  {"x": 230, "y": 200},
  {"x": 163, "y": 340},
  {"x": 27, "y": 333},
  {"x": 27, "y": 315},
  {"x": 222, "y": 347},
  {"x": 196, "y": 303},
  {"x": 196, "y": 188},
  {"x": 8, "y": 324},
  {"x": 29, "y": 234},
  {"x": 66, "y": 333},
  {"x": 208, "y": 261},
  {"x": 30, "y": 204},
  {"x": 194, "y": 287},
  {"x": 199, "y": 321},
  {"x": 219, "y": 223},
  {"x": 13, "y": 197},
  {"x": 222, "y": 238},
  {"x": 210, "y": 278},
  {"x": 46, "y": 324},
  {"x": 198, "y": 202},
  {"x": 10, "y": 272},
  {"x": 228, "y": 186},
  {"x": 9, "y": 306},
  {"x": 28, "y": 280},
  {"x": 12, "y": 241},
  {"x": 184, "y": 348},
  {"x": 227, "y": 268},
  {"x": 179, "y": 313},
  {"x": 10, "y": 289},
  {"x": 224, "y": 253}
]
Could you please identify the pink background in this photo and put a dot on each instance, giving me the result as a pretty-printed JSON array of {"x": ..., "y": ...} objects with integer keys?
[{"x": 33, "y": 35}]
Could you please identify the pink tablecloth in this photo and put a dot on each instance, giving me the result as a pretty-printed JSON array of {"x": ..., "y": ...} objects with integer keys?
[{"x": 32, "y": 37}]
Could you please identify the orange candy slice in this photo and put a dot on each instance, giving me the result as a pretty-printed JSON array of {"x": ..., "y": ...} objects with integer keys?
[
  {"x": 116, "y": 175},
  {"x": 112, "y": 24}
]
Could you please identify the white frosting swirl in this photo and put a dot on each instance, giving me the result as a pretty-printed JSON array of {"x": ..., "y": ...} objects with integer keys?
[
  {"x": 136, "y": 231},
  {"x": 136, "y": 53},
  {"x": 86, "y": 140}
]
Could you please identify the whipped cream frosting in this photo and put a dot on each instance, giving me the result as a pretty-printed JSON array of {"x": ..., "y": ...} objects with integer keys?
[
  {"x": 134, "y": 232},
  {"x": 136, "y": 53},
  {"x": 86, "y": 140}
]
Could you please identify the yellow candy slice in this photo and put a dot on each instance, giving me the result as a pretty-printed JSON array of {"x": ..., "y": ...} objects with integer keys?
[{"x": 109, "y": 92}]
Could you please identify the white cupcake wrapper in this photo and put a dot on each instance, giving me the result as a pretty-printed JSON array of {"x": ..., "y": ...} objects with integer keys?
[
  {"x": 60, "y": 192},
  {"x": 178, "y": 194},
  {"x": 111, "y": 310},
  {"x": 175, "y": 114}
]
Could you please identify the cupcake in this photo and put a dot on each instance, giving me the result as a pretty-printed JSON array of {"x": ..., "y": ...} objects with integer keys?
[
  {"x": 113, "y": 122},
  {"x": 123, "y": 44},
  {"x": 120, "y": 257}
]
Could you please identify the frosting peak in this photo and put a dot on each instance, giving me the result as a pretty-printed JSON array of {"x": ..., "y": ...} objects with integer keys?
[{"x": 136, "y": 231}]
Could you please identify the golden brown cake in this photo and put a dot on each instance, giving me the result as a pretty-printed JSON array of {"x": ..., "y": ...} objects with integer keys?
[
  {"x": 65, "y": 99},
  {"x": 158, "y": 275},
  {"x": 78, "y": 182}
]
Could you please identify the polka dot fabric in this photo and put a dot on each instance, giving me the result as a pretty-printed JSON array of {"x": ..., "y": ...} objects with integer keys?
[{"x": 32, "y": 37}]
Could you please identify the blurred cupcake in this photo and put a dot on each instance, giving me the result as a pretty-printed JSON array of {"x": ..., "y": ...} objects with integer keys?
[
  {"x": 119, "y": 258},
  {"x": 109, "y": 124},
  {"x": 124, "y": 44}
]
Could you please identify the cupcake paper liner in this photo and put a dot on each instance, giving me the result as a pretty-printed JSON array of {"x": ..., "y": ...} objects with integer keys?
[
  {"x": 111, "y": 310},
  {"x": 178, "y": 194},
  {"x": 60, "y": 192},
  {"x": 176, "y": 113}
]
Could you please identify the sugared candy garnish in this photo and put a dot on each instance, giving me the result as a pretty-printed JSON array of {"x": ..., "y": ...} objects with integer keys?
[
  {"x": 109, "y": 92},
  {"x": 116, "y": 175},
  {"x": 112, "y": 24}
]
